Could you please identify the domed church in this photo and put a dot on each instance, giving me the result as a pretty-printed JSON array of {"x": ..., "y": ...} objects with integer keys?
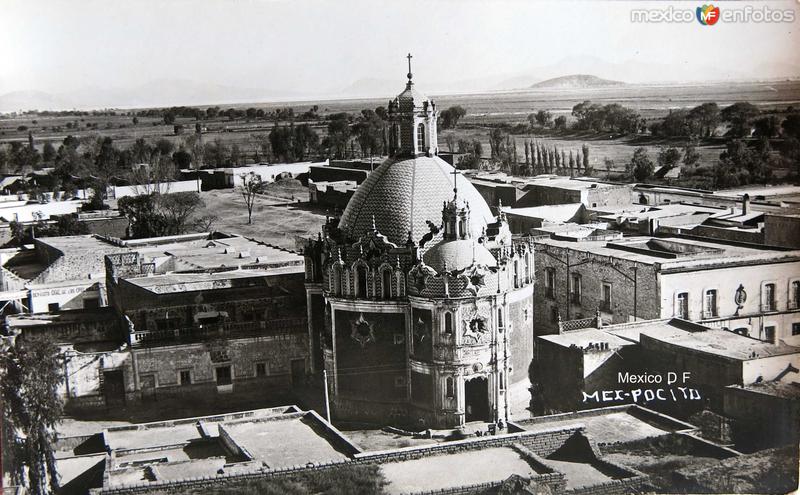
[{"x": 420, "y": 301}]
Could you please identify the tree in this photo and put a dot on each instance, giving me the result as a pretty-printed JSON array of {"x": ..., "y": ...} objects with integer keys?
[
  {"x": 305, "y": 141},
  {"x": 281, "y": 143},
  {"x": 451, "y": 116},
  {"x": 791, "y": 126},
  {"x": 640, "y": 167},
  {"x": 585, "y": 149},
  {"x": 251, "y": 185},
  {"x": 766, "y": 126},
  {"x": 182, "y": 159},
  {"x": 48, "y": 152},
  {"x": 369, "y": 130},
  {"x": 544, "y": 118},
  {"x": 156, "y": 214},
  {"x": 703, "y": 119},
  {"x": 560, "y": 123},
  {"x": 473, "y": 149},
  {"x": 32, "y": 407},
  {"x": 740, "y": 116},
  {"x": 690, "y": 155},
  {"x": 338, "y": 134},
  {"x": 668, "y": 157},
  {"x": 743, "y": 163},
  {"x": 790, "y": 151}
]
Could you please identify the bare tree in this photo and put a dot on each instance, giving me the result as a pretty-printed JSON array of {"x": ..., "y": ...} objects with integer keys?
[{"x": 250, "y": 186}]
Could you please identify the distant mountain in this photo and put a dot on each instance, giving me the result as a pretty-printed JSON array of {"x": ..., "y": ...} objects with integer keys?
[
  {"x": 158, "y": 93},
  {"x": 576, "y": 81},
  {"x": 31, "y": 100},
  {"x": 372, "y": 87}
]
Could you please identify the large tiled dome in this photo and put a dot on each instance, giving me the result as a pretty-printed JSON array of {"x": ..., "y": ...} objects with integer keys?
[{"x": 404, "y": 194}]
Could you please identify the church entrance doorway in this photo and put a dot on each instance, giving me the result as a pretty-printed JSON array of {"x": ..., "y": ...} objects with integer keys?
[{"x": 476, "y": 399}]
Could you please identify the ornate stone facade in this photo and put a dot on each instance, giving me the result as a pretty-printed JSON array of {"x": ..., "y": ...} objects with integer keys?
[{"x": 426, "y": 298}]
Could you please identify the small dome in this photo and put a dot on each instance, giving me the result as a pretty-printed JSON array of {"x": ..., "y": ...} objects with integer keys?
[
  {"x": 403, "y": 194},
  {"x": 411, "y": 100},
  {"x": 457, "y": 255}
]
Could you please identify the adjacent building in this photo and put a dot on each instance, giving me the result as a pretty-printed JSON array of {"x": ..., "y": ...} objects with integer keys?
[
  {"x": 581, "y": 368},
  {"x": 749, "y": 289}
]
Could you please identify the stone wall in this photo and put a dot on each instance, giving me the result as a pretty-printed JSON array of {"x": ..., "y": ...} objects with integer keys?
[
  {"x": 520, "y": 316},
  {"x": 531, "y": 444},
  {"x": 371, "y": 355},
  {"x": 77, "y": 326},
  {"x": 761, "y": 419},
  {"x": 782, "y": 230},
  {"x": 275, "y": 352},
  {"x": 594, "y": 270}
]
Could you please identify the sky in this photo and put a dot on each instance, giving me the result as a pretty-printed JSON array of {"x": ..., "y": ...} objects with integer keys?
[{"x": 325, "y": 46}]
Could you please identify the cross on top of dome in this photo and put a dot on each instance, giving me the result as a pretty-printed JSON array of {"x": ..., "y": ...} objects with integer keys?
[{"x": 409, "y": 75}]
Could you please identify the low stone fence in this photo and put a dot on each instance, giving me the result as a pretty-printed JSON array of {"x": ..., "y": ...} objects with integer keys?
[{"x": 548, "y": 442}]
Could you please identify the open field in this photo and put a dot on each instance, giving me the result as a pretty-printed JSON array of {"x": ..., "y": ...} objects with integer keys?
[
  {"x": 483, "y": 110},
  {"x": 276, "y": 221}
]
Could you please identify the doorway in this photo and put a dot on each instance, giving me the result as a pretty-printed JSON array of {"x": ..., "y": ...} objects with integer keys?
[
  {"x": 476, "y": 399},
  {"x": 114, "y": 388},
  {"x": 298, "y": 371}
]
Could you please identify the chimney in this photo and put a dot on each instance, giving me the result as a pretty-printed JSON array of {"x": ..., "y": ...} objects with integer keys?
[{"x": 745, "y": 204}]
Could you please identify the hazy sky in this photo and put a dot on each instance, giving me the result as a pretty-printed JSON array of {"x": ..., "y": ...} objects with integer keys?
[{"x": 319, "y": 46}]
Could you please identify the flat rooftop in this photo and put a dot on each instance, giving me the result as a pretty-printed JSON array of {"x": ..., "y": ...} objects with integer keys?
[
  {"x": 26, "y": 320},
  {"x": 611, "y": 424},
  {"x": 700, "y": 338},
  {"x": 220, "y": 251},
  {"x": 440, "y": 472},
  {"x": 784, "y": 390},
  {"x": 172, "y": 283},
  {"x": 71, "y": 244},
  {"x": 727, "y": 344},
  {"x": 552, "y": 213},
  {"x": 179, "y": 431},
  {"x": 248, "y": 441},
  {"x": 285, "y": 441},
  {"x": 679, "y": 254}
]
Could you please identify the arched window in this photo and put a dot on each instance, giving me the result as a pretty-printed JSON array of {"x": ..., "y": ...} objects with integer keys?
[
  {"x": 386, "y": 285},
  {"x": 500, "y": 317},
  {"x": 337, "y": 281},
  {"x": 361, "y": 282},
  {"x": 462, "y": 229},
  {"x": 450, "y": 387},
  {"x": 421, "y": 137},
  {"x": 448, "y": 323}
]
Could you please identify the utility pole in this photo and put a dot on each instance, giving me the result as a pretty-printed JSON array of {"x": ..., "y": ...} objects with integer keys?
[{"x": 327, "y": 401}]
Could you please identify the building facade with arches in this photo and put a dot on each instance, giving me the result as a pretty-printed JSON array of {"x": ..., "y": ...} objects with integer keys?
[{"x": 420, "y": 301}]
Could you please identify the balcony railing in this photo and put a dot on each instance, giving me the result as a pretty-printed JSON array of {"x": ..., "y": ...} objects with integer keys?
[
  {"x": 768, "y": 306},
  {"x": 218, "y": 330}
]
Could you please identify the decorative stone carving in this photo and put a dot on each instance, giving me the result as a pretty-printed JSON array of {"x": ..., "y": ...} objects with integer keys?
[
  {"x": 476, "y": 325},
  {"x": 420, "y": 331},
  {"x": 418, "y": 275},
  {"x": 362, "y": 331}
]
